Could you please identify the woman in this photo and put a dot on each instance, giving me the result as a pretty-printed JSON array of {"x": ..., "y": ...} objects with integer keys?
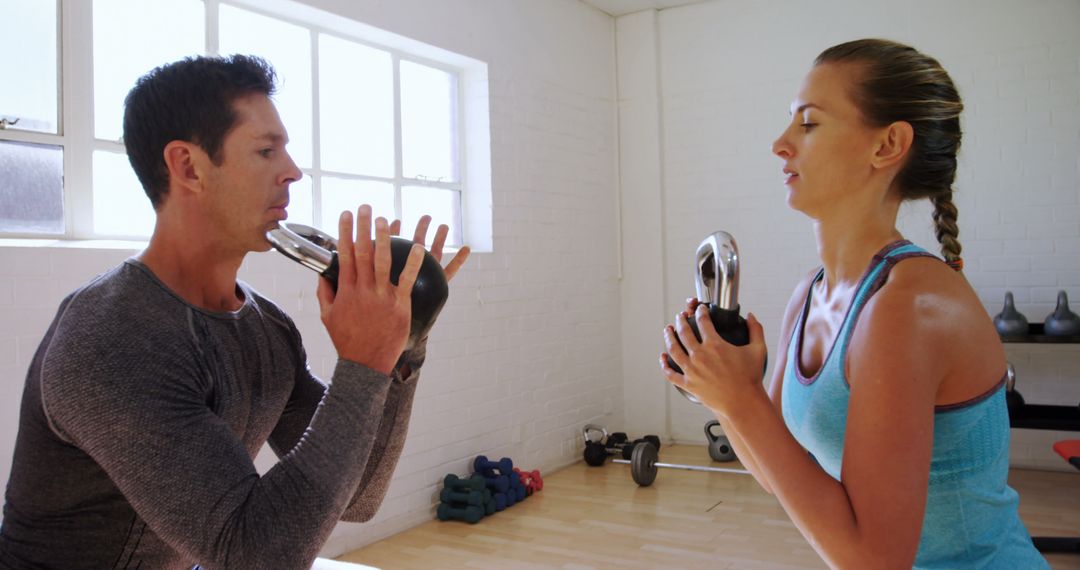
[{"x": 890, "y": 373}]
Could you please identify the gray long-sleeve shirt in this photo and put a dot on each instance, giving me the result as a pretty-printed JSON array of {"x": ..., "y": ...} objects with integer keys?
[{"x": 142, "y": 414}]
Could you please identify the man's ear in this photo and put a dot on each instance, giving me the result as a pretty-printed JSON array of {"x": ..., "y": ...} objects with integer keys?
[
  {"x": 183, "y": 160},
  {"x": 893, "y": 144}
]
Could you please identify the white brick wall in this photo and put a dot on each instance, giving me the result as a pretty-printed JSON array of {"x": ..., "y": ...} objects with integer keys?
[
  {"x": 729, "y": 71},
  {"x": 529, "y": 347}
]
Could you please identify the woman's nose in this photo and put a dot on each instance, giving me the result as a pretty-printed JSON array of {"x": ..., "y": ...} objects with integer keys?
[{"x": 781, "y": 147}]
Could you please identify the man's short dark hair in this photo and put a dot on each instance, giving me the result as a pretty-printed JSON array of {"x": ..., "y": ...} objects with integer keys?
[{"x": 188, "y": 100}]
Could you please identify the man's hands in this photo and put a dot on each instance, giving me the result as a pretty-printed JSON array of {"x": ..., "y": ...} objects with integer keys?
[
  {"x": 436, "y": 246},
  {"x": 368, "y": 318}
]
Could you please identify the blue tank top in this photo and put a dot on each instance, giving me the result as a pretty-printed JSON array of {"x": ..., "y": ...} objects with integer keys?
[{"x": 971, "y": 518}]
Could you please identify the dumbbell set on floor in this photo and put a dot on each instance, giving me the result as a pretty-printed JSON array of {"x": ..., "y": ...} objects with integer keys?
[
  {"x": 493, "y": 486},
  {"x": 644, "y": 455},
  {"x": 616, "y": 444}
]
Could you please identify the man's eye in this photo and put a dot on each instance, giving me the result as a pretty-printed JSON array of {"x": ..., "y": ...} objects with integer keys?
[{"x": 266, "y": 152}]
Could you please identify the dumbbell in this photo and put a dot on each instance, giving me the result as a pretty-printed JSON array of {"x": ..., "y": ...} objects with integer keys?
[
  {"x": 497, "y": 484},
  {"x": 517, "y": 488},
  {"x": 535, "y": 479},
  {"x": 500, "y": 501},
  {"x": 474, "y": 483},
  {"x": 470, "y": 514},
  {"x": 531, "y": 480},
  {"x": 719, "y": 447},
  {"x": 317, "y": 250},
  {"x": 487, "y": 468},
  {"x": 476, "y": 498},
  {"x": 597, "y": 450}
]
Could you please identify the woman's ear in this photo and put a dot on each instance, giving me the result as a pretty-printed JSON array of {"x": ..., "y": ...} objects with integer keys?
[{"x": 893, "y": 145}]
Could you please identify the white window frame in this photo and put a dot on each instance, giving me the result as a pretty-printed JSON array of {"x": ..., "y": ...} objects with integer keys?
[{"x": 77, "y": 138}]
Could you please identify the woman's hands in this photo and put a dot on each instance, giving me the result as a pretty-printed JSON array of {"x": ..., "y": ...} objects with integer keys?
[{"x": 718, "y": 373}]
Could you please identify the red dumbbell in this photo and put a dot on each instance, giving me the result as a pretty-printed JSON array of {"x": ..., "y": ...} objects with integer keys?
[{"x": 531, "y": 480}]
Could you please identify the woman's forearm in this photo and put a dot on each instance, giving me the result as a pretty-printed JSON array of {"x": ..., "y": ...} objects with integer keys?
[
  {"x": 743, "y": 453},
  {"x": 818, "y": 504}
]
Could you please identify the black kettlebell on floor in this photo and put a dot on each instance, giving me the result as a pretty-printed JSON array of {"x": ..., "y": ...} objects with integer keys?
[
  {"x": 317, "y": 250},
  {"x": 719, "y": 447},
  {"x": 716, "y": 280}
]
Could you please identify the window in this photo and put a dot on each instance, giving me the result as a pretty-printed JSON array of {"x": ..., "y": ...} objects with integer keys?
[{"x": 372, "y": 117}]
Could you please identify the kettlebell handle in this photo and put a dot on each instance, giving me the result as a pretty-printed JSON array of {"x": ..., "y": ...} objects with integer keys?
[
  {"x": 709, "y": 425},
  {"x": 308, "y": 246},
  {"x": 716, "y": 271},
  {"x": 317, "y": 250}
]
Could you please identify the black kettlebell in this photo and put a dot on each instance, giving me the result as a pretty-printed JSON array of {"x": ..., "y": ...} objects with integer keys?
[
  {"x": 318, "y": 250},
  {"x": 716, "y": 280}
]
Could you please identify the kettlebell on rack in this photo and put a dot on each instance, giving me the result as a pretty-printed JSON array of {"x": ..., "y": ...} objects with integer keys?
[
  {"x": 719, "y": 447},
  {"x": 317, "y": 250},
  {"x": 1010, "y": 322},
  {"x": 716, "y": 280},
  {"x": 1062, "y": 322}
]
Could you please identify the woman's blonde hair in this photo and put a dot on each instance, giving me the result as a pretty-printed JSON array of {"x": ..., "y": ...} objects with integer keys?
[{"x": 898, "y": 83}]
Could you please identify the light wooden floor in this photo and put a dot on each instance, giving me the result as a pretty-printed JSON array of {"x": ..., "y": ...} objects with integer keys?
[{"x": 596, "y": 517}]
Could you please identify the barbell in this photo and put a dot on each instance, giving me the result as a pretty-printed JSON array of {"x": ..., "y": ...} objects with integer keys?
[{"x": 644, "y": 465}]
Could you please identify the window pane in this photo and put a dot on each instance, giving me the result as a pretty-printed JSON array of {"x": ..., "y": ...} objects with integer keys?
[
  {"x": 31, "y": 188},
  {"x": 288, "y": 48},
  {"x": 121, "y": 207},
  {"x": 300, "y": 209},
  {"x": 29, "y": 63},
  {"x": 428, "y": 123},
  {"x": 356, "y": 108},
  {"x": 131, "y": 37},
  {"x": 444, "y": 207},
  {"x": 339, "y": 194}
]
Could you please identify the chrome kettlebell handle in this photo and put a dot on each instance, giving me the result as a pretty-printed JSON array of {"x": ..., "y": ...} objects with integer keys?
[
  {"x": 716, "y": 271},
  {"x": 716, "y": 280},
  {"x": 306, "y": 245}
]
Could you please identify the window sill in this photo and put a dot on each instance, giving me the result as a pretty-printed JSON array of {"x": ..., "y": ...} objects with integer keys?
[{"x": 134, "y": 245}]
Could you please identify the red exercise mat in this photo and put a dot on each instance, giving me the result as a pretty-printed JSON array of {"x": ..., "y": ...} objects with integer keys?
[{"x": 1068, "y": 448}]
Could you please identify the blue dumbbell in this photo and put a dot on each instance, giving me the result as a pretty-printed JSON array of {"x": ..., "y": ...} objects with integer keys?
[
  {"x": 485, "y": 467},
  {"x": 498, "y": 483},
  {"x": 500, "y": 501}
]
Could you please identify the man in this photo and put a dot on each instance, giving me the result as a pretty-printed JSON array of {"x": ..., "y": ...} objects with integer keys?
[{"x": 159, "y": 381}]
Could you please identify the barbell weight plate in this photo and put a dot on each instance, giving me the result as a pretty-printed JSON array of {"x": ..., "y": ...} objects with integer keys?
[{"x": 643, "y": 464}]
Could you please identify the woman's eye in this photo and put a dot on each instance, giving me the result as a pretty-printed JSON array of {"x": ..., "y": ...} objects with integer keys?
[{"x": 808, "y": 126}]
